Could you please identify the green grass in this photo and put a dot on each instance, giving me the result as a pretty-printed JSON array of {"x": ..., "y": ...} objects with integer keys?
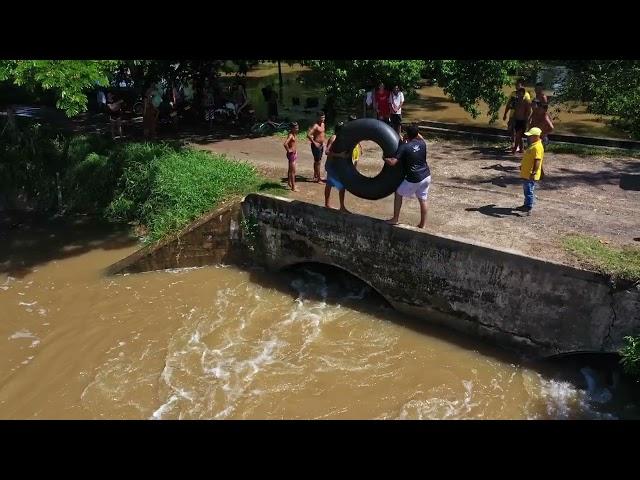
[
  {"x": 619, "y": 263},
  {"x": 586, "y": 150},
  {"x": 164, "y": 188},
  {"x": 630, "y": 354}
]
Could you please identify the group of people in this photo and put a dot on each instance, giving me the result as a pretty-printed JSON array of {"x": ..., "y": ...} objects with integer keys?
[
  {"x": 200, "y": 100},
  {"x": 525, "y": 113},
  {"x": 412, "y": 154},
  {"x": 529, "y": 119},
  {"x": 386, "y": 105}
]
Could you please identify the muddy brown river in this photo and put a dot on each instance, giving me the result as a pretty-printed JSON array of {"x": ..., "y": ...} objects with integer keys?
[{"x": 225, "y": 343}]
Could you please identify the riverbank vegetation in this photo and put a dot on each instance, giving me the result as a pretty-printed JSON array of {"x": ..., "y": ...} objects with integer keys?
[{"x": 159, "y": 186}]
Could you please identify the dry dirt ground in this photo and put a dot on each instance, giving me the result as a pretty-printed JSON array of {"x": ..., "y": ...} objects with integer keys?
[{"x": 475, "y": 188}]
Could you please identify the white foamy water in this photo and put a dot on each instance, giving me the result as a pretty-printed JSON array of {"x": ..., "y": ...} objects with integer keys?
[{"x": 220, "y": 343}]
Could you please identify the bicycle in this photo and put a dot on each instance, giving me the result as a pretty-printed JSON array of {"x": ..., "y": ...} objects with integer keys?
[{"x": 269, "y": 127}]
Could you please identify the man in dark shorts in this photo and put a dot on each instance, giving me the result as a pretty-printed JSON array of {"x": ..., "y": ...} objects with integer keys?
[
  {"x": 316, "y": 136},
  {"x": 510, "y": 108},
  {"x": 417, "y": 175},
  {"x": 522, "y": 112}
]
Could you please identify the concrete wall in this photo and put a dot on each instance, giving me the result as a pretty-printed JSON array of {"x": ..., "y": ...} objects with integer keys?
[
  {"x": 210, "y": 240},
  {"x": 518, "y": 302}
]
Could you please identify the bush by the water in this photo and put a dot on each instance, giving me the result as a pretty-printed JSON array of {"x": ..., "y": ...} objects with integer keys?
[
  {"x": 165, "y": 188},
  {"x": 162, "y": 186}
]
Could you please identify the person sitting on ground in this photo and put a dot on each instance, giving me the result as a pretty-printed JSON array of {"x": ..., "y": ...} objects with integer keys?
[
  {"x": 357, "y": 150},
  {"x": 417, "y": 175},
  {"x": 332, "y": 181},
  {"x": 540, "y": 118},
  {"x": 509, "y": 109},
  {"x": 114, "y": 108},
  {"x": 316, "y": 136},
  {"x": 521, "y": 115},
  {"x": 531, "y": 168},
  {"x": 290, "y": 145}
]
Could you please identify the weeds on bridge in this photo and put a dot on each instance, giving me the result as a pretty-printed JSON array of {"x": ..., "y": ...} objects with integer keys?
[
  {"x": 631, "y": 356},
  {"x": 250, "y": 231},
  {"x": 618, "y": 263}
]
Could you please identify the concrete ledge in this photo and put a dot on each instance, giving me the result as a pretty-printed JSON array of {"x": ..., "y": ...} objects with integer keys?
[
  {"x": 491, "y": 133},
  {"x": 518, "y": 302},
  {"x": 206, "y": 241}
]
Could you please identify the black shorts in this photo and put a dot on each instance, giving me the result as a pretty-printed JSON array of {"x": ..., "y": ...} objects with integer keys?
[
  {"x": 396, "y": 119},
  {"x": 317, "y": 152},
  {"x": 519, "y": 125}
]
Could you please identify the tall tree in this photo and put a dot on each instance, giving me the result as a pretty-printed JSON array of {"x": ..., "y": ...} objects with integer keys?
[
  {"x": 346, "y": 81},
  {"x": 69, "y": 79},
  {"x": 611, "y": 87},
  {"x": 469, "y": 82}
]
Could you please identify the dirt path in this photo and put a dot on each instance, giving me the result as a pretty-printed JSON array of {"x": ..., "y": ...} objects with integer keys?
[{"x": 474, "y": 189}]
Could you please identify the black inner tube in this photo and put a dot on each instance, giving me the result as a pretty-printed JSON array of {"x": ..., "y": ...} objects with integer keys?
[{"x": 388, "y": 180}]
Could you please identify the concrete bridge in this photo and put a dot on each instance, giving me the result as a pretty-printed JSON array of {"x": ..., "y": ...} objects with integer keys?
[{"x": 520, "y": 303}]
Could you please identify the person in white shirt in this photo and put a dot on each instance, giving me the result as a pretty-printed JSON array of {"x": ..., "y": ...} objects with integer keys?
[
  {"x": 396, "y": 99},
  {"x": 102, "y": 101}
]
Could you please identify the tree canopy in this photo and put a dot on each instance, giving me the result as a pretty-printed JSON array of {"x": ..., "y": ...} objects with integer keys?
[
  {"x": 69, "y": 79},
  {"x": 611, "y": 87}
]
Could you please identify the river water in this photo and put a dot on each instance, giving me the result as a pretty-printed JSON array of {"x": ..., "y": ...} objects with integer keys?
[{"x": 225, "y": 343}]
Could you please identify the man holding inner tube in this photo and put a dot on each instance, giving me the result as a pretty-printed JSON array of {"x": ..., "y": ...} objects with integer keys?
[{"x": 417, "y": 175}]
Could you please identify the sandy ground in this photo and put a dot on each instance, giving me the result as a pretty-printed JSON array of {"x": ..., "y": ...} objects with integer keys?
[{"x": 474, "y": 189}]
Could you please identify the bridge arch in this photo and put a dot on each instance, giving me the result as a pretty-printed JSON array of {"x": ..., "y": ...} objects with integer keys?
[{"x": 338, "y": 268}]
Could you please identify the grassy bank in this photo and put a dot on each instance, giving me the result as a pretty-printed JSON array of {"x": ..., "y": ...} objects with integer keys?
[
  {"x": 619, "y": 263},
  {"x": 158, "y": 186},
  {"x": 164, "y": 188}
]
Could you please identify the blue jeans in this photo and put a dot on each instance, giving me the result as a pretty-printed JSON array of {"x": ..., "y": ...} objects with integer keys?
[{"x": 529, "y": 189}]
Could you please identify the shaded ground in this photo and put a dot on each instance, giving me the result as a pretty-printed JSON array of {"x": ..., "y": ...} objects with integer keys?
[{"x": 475, "y": 190}]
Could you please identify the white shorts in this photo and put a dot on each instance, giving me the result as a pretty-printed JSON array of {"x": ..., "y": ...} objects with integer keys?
[{"x": 419, "y": 189}]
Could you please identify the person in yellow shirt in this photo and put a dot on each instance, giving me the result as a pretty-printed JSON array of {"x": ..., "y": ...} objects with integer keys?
[
  {"x": 357, "y": 150},
  {"x": 531, "y": 168},
  {"x": 355, "y": 155}
]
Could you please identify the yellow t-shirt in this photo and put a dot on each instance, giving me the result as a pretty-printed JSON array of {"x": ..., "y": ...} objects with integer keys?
[
  {"x": 535, "y": 151},
  {"x": 355, "y": 155}
]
